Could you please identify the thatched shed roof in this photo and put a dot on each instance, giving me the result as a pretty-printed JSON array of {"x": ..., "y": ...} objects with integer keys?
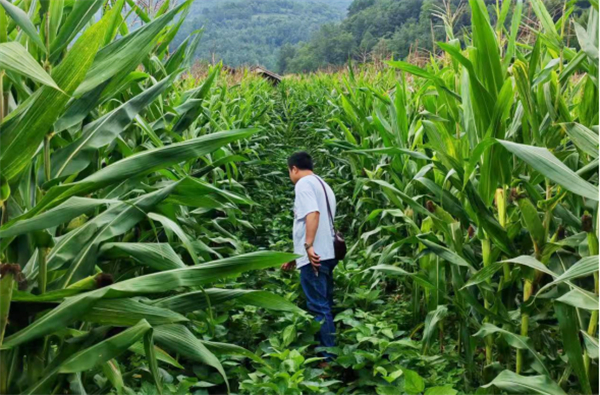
[{"x": 269, "y": 75}]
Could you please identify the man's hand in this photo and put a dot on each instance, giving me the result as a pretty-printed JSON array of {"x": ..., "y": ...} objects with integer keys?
[
  {"x": 289, "y": 266},
  {"x": 314, "y": 258}
]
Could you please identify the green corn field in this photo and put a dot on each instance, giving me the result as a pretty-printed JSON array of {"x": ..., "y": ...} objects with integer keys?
[{"x": 145, "y": 209}]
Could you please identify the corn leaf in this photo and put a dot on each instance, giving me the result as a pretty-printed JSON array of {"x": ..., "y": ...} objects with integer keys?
[
  {"x": 543, "y": 161},
  {"x": 123, "y": 55},
  {"x": 79, "y": 16},
  {"x": 197, "y": 300},
  {"x": 158, "y": 256},
  {"x": 516, "y": 341},
  {"x": 23, "y": 21},
  {"x": 512, "y": 382},
  {"x": 105, "y": 350},
  {"x": 24, "y": 129},
  {"x": 581, "y": 299},
  {"x": 568, "y": 324},
  {"x": 128, "y": 312},
  {"x": 178, "y": 338},
  {"x": 76, "y": 156},
  {"x": 60, "y": 214},
  {"x": 15, "y": 58}
]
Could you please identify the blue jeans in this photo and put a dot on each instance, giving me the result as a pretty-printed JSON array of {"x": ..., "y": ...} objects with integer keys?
[{"x": 319, "y": 299}]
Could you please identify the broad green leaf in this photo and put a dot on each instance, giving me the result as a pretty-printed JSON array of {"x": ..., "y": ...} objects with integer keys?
[
  {"x": 23, "y": 21},
  {"x": 543, "y": 161},
  {"x": 60, "y": 214},
  {"x": 139, "y": 164},
  {"x": 584, "y": 138},
  {"x": 481, "y": 98},
  {"x": 70, "y": 346},
  {"x": 484, "y": 274},
  {"x": 585, "y": 267},
  {"x": 192, "y": 192},
  {"x": 76, "y": 156},
  {"x": 15, "y": 58},
  {"x": 399, "y": 271},
  {"x": 193, "y": 301},
  {"x": 158, "y": 256},
  {"x": 391, "y": 151},
  {"x": 56, "y": 10},
  {"x": 403, "y": 197},
  {"x": 445, "y": 253},
  {"x": 7, "y": 284},
  {"x": 413, "y": 383},
  {"x": 430, "y": 326},
  {"x": 105, "y": 350},
  {"x": 127, "y": 312},
  {"x": 192, "y": 108},
  {"x": 73, "y": 308},
  {"x": 87, "y": 284},
  {"x": 231, "y": 349},
  {"x": 445, "y": 199},
  {"x": 591, "y": 345},
  {"x": 581, "y": 299},
  {"x": 172, "y": 226},
  {"x": 125, "y": 54},
  {"x": 115, "y": 20},
  {"x": 198, "y": 275},
  {"x": 441, "y": 390},
  {"x": 516, "y": 341},
  {"x": 143, "y": 16},
  {"x": 532, "y": 263},
  {"x": 512, "y": 382},
  {"x": 58, "y": 318},
  {"x": 488, "y": 51},
  {"x": 78, "y": 109},
  {"x": 514, "y": 31},
  {"x": 568, "y": 325},
  {"x": 79, "y": 16},
  {"x": 412, "y": 69},
  {"x": 24, "y": 129},
  {"x": 533, "y": 223},
  {"x": 586, "y": 42},
  {"x": 78, "y": 249},
  {"x": 152, "y": 360},
  {"x": 178, "y": 338},
  {"x": 161, "y": 355},
  {"x": 113, "y": 373}
]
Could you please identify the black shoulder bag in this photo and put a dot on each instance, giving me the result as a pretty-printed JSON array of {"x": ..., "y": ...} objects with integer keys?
[{"x": 339, "y": 245}]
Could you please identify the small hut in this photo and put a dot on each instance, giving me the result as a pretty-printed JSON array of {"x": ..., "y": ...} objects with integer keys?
[{"x": 266, "y": 74}]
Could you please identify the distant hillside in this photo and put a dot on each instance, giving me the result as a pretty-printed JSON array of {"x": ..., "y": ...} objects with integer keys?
[
  {"x": 249, "y": 32},
  {"x": 384, "y": 28}
]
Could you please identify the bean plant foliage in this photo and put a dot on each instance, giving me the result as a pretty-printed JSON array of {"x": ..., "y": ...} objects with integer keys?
[{"x": 142, "y": 210}]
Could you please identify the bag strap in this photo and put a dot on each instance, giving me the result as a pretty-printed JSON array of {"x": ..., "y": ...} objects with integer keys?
[{"x": 327, "y": 200}]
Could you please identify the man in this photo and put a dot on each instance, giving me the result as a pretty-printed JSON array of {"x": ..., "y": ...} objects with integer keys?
[{"x": 313, "y": 239}]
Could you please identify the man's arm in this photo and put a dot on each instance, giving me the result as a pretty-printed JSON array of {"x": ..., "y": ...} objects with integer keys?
[{"x": 312, "y": 224}]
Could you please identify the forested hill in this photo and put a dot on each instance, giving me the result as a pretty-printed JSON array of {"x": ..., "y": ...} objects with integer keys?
[
  {"x": 375, "y": 27},
  {"x": 385, "y": 28},
  {"x": 242, "y": 32}
]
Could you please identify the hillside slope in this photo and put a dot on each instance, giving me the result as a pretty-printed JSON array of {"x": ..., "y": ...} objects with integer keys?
[{"x": 252, "y": 32}]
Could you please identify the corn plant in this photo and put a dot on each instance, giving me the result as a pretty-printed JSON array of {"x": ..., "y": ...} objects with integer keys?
[
  {"x": 118, "y": 195},
  {"x": 479, "y": 175}
]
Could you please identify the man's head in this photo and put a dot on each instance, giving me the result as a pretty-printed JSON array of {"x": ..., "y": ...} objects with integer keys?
[{"x": 299, "y": 164}]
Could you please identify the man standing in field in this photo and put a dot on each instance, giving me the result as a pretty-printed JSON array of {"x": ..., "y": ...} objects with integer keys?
[{"x": 314, "y": 210}]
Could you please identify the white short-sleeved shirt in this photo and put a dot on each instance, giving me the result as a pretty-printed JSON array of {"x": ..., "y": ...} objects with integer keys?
[{"x": 310, "y": 198}]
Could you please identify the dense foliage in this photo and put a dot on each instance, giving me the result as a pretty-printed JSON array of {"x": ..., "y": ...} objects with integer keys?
[
  {"x": 380, "y": 29},
  {"x": 142, "y": 208},
  {"x": 252, "y": 32}
]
